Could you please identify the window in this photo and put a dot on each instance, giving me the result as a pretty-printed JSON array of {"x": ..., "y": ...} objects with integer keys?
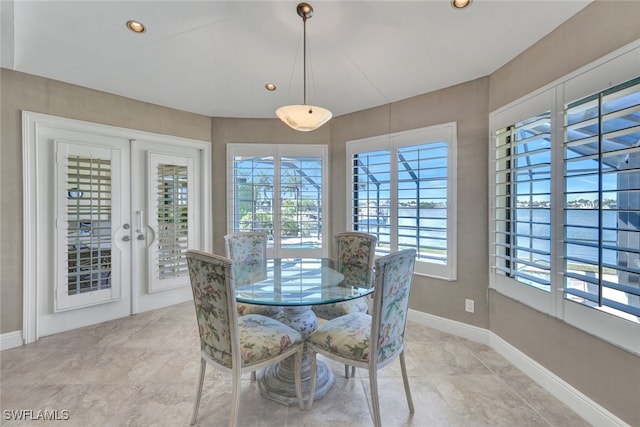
[
  {"x": 279, "y": 190},
  {"x": 565, "y": 217},
  {"x": 602, "y": 200},
  {"x": 402, "y": 190},
  {"x": 523, "y": 201}
]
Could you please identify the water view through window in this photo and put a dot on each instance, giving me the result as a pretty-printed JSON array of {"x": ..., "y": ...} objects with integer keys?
[
  {"x": 599, "y": 247},
  {"x": 281, "y": 196}
]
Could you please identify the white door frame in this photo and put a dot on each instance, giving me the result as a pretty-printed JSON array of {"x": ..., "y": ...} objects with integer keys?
[{"x": 31, "y": 122}]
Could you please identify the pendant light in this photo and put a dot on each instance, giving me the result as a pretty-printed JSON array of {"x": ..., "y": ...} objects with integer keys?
[{"x": 304, "y": 117}]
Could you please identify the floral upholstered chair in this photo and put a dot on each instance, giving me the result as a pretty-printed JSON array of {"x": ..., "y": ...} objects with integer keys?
[
  {"x": 231, "y": 342},
  {"x": 248, "y": 250},
  {"x": 354, "y": 259},
  {"x": 371, "y": 341}
]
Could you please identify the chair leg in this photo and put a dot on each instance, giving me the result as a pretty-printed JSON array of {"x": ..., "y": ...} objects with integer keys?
[
  {"x": 196, "y": 404},
  {"x": 235, "y": 397},
  {"x": 298, "y": 378},
  {"x": 375, "y": 401},
  {"x": 346, "y": 371},
  {"x": 405, "y": 380},
  {"x": 312, "y": 383}
]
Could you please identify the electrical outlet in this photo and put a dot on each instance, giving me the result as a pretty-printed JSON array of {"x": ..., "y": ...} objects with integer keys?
[{"x": 469, "y": 305}]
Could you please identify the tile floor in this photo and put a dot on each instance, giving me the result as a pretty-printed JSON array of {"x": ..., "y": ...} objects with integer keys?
[{"x": 142, "y": 371}]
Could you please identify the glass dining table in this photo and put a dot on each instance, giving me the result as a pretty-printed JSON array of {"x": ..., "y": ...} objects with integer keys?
[{"x": 297, "y": 284}]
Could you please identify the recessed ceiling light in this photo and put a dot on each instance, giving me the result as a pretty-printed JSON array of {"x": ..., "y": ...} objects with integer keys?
[
  {"x": 136, "y": 27},
  {"x": 270, "y": 87},
  {"x": 460, "y": 4}
]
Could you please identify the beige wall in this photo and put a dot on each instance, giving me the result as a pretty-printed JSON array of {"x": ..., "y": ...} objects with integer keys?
[
  {"x": 569, "y": 353},
  {"x": 598, "y": 29},
  {"x": 606, "y": 374},
  {"x": 18, "y": 92},
  {"x": 466, "y": 104}
]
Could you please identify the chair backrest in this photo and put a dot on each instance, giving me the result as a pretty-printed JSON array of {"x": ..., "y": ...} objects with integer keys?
[
  {"x": 212, "y": 285},
  {"x": 355, "y": 255},
  {"x": 394, "y": 274},
  {"x": 248, "y": 250}
]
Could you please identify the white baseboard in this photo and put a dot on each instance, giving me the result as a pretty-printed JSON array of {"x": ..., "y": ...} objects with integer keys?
[
  {"x": 459, "y": 329},
  {"x": 592, "y": 412},
  {"x": 10, "y": 340}
]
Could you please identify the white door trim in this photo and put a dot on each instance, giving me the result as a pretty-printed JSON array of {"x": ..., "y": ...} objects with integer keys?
[{"x": 31, "y": 122}]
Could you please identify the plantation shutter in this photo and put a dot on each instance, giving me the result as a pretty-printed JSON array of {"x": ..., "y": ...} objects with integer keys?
[{"x": 171, "y": 217}]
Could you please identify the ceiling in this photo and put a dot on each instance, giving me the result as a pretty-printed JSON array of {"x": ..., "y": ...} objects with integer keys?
[{"x": 215, "y": 57}]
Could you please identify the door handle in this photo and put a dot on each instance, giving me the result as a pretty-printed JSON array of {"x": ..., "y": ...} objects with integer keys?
[
  {"x": 140, "y": 230},
  {"x": 126, "y": 238}
]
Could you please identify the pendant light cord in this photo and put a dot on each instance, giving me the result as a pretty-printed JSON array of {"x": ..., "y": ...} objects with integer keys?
[{"x": 304, "y": 59}]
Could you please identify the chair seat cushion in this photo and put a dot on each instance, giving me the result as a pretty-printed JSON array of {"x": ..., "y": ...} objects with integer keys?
[
  {"x": 262, "y": 338},
  {"x": 272, "y": 311},
  {"x": 337, "y": 309},
  {"x": 346, "y": 336}
]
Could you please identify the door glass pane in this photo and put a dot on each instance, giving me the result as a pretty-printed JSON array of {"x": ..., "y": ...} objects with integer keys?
[
  {"x": 253, "y": 194},
  {"x": 301, "y": 202},
  {"x": 173, "y": 220},
  {"x": 88, "y": 211}
]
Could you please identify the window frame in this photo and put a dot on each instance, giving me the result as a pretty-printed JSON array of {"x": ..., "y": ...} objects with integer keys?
[
  {"x": 277, "y": 151},
  {"x": 446, "y": 132},
  {"x": 613, "y": 69}
]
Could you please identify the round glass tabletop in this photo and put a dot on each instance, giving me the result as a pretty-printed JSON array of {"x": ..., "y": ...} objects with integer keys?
[{"x": 303, "y": 281}]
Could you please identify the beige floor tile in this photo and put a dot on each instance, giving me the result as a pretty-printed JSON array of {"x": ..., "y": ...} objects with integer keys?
[
  {"x": 486, "y": 400},
  {"x": 143, "y": 370},
  {"x": 449, "y": 357}
]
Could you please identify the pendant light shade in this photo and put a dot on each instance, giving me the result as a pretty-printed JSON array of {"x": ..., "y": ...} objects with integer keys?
[{"x": 304, "y": 117}]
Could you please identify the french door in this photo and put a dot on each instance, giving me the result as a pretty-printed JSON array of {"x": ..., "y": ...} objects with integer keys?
[
  {"x": 168, "y": 217},
  {"x": 90, "y": 224},
  {"x": 110, "y": 213}
]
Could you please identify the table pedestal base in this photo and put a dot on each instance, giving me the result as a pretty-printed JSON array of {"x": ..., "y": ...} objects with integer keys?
[{"x": 277, "y": 382}]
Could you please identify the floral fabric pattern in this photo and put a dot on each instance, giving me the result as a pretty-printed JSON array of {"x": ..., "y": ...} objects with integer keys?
[
  {"x": 272, "y": 311},
  {"x": 349, "y": 336},
  {"x": 248, "y": 251},
  {"x": 337, "y": 309},
  {"x": 356, "y": 252},
  {"x": 355, "y": 261},
  {"x": 210, "y": 283},
  {"x": 346, "y": 336},
  {"x": 260, "y": 337},
  {"x": 249, "y": 254},
  {"x": 394, "y": 284}
]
